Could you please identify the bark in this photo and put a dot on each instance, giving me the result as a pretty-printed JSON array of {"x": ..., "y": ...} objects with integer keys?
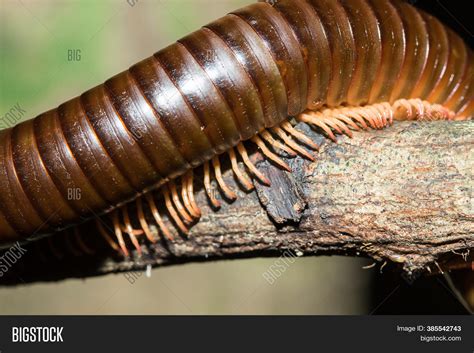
[{"x": 403, "y": 195}]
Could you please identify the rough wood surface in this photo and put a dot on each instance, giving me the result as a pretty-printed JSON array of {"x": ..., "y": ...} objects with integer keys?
[{"x": 402, "y": 195}]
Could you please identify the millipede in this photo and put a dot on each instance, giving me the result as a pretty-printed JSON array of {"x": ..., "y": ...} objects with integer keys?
[{"x": 133, "y": 144}]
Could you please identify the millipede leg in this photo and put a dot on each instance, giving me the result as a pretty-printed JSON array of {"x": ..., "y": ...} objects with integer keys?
[
  {"x": 207, "y": 185},
  {"x": 157, "y": 217},
  {"x": 300, "y": 150},
  {"x": 259, "y": 142},
  {"x": 228, "y": 192},
  {"x": 143, "y": 221},
  {"x": 130, "y": 231},
  {"x": 326, "y": 117},
  {"x": 119, "y": 235},
  {"x": 190, "y": 191},
  {"x": 172, "y": 211},
  {"x": 106, "y": 235},
  {"x": 277, "y": 144},
  {"x": 186, "y": 200},
  {"x": 417, "y": 109},
  {"x": 351, "y": 114},
  {"x": 313, "y": 120},
  {"x": 366, "y": 115},
  {"x": 404, "y": 104},
  {"x": 388, "y": 112},
  {"x": 347, "y": 121},
  {"x": 381, "y": 115},
  {"x": 429, "y": 112},
  {"x": 241, "y": 177},
  {"x": 337, "y": 125},
  {"x": 250, "y": 165},
  {"x": 316, "y": 120},
  {"x": 179, "y": 206},
  {"x": 299, "y": 135},
  {"x": 420, "y": 111}
]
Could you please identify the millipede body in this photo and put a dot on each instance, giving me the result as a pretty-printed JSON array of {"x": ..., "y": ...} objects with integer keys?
[{"x": 338, "y": 65}]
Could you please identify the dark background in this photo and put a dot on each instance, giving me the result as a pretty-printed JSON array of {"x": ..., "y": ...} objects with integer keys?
[{"x": 457, "y": 14}]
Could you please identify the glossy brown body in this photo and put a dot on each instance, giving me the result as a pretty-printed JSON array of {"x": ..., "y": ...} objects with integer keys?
[{"x": 218, "y": 86}]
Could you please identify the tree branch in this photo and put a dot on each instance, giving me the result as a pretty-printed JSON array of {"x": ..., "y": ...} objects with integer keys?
[{"x": 401, "y": 195}]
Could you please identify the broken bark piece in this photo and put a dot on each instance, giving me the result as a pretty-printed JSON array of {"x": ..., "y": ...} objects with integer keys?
[{"x": 284, "y": 200}]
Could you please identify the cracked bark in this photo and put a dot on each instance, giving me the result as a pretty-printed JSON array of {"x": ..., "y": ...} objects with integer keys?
[{"x": 403, "y": 195}]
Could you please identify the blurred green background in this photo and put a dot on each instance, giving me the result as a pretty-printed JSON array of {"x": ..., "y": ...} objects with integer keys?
[{"x": 36, "y": 37}]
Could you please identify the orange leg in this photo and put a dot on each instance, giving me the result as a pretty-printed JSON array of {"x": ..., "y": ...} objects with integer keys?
[
  {"x": 277, "y": 145},
  {"x": 130, "y": 231},
  {"x": 119, "y": 235},
  {"x": 106, "y": 235},
  {"x": 251, "y": 166},
  {"x": 177, "y": 202},
  {"x": 354, "y": 115},
  {"x": 337, "y": 125},
  {"x": 190, "y": 190},
  {"x": 346, "y": 120},
  {"x": 186, "y": 198},
  {"x": 312, "y": 119},
  {"x": 143, "y": 221},
  {"x": 243, "y": 178},
  {"x": 208, "y": 186},
  {"x": 174, "y": 215},
  {"x": 299, "y": 135},
  {"x": 257, "y": 140},
  {"x": 300, "y": 150},
  {"x": 157, "y": 217},
  {"x": 228, "y": 192}
]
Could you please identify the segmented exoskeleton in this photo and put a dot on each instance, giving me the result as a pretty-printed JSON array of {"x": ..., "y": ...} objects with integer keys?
[{"x": 338, "y": 65}]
